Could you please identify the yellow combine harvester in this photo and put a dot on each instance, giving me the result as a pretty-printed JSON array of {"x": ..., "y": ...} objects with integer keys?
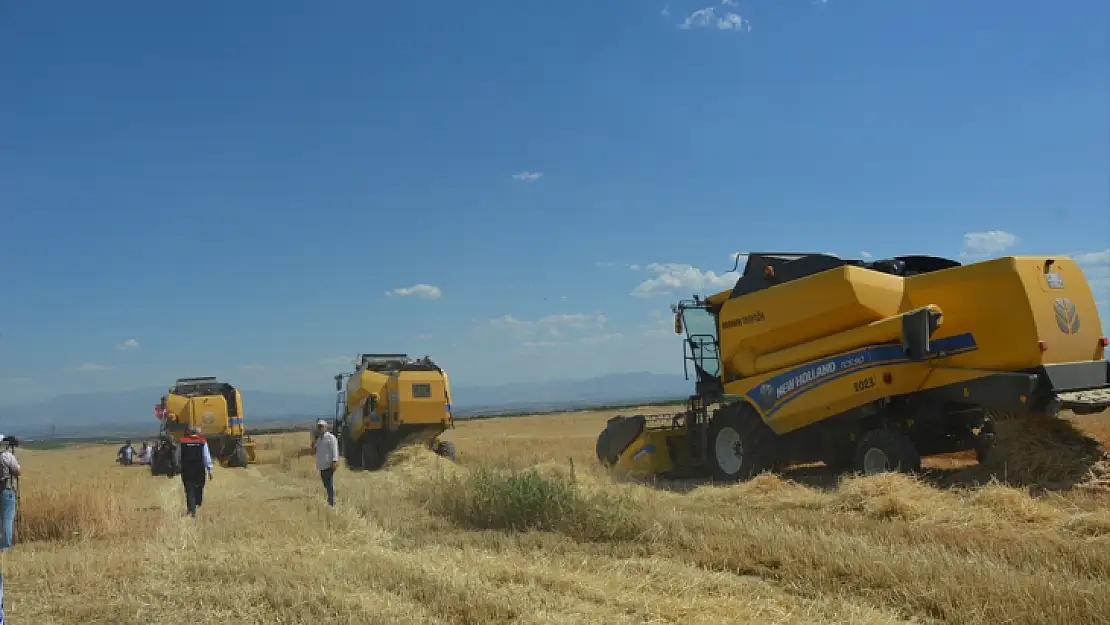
[
  {"x": 871, "y": 365},
  {"x": 217, "y": 409},
  {"x": 391, "y": 399}
]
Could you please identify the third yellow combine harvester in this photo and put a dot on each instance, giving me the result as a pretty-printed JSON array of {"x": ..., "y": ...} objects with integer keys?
[
  {"x": 391, "y": 399},
  {"x": 871, "y": 365}
]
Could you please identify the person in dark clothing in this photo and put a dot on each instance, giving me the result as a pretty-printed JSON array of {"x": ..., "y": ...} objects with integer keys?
[
  {"x": 194, "y": 461},
  {"x": 126, "y": 454}
]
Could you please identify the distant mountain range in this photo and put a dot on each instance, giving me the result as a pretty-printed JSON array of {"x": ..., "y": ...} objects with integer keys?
[{"x": 131, "y": 412}]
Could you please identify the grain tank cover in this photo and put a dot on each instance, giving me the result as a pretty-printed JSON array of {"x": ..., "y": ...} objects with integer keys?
[
  {"x": 200, "y": 386},
  {"x": 767, "y": 269}
]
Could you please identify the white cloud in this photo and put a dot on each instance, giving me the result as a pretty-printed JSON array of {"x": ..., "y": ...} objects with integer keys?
[
  {"x": 865, "y": 255},
  {"x": 545, "y": 329},
  {"x": 987, "y": 243},
  {"x": 589, "y": 339},
  {"x": 595, "y": 339},
  {"x": 129, "y": 344},
  {"x": 608, "y": 263},
  {"x": 666, "y": 12},
  {"x": 92, "y": 366},
  {"x": 424, "y": 291},
  {"x": 528, "y": 176},
  {"x": 541, "y": 344},
  {"x": 1096, "y": 268},
  {"x": 1093, "y": 258},
  {"x": 684, "y": 280},
  {"x": 254, "y": 366},
  {"x": 707, "y": 18}
]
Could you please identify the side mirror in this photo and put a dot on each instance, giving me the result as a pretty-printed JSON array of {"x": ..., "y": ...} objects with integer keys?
[
  {"x": 338, "y": 383},
  {"x": 918, "y": 327},
  {"x": 374, "y": 402},
  {"x": 678, "y": 323}
]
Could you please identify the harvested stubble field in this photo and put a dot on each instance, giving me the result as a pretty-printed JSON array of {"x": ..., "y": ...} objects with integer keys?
[{"x": 513, "y": 533}]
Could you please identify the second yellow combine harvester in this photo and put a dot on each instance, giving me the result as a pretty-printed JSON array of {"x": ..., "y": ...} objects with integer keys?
[
  {"x": 391, "y": 399},
  {"x": 871, "y": 365}
]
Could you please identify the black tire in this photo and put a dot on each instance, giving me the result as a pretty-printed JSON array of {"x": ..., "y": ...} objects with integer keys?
[
  {"x": 238, "y": 457},
  {"x": 740, "y": 445},
  {"x": 371, "y": 454},
  {"x": 446, "y": 449},
  {"x": 884, "y": 450},
  {"x": 352, "y": 452}
]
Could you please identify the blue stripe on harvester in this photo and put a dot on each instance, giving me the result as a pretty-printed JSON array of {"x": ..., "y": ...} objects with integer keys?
[{"x": 784, "y": 388}]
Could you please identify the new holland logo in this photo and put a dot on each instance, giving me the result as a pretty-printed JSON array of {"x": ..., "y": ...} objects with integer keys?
[{"x": 1067, "y": 318}]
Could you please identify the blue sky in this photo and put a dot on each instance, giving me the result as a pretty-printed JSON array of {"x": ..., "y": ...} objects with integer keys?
[{"x": 233, "y": 187}]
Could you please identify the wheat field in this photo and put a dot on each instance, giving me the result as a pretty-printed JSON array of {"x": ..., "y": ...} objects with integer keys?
[{"x": 518, "y": 532}]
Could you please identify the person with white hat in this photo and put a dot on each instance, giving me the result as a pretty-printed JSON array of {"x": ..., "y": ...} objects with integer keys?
[
  {"x": 326, "y": 448},
  {"x": 10, "y": 473}
]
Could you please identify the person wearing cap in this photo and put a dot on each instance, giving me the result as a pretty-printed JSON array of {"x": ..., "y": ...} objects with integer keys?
[
  {"x": 193, "y": 460},
  {"x": 326, "y": 448},
  {"x": 9, "y": 486}
]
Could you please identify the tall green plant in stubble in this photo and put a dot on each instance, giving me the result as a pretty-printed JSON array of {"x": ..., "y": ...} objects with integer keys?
[{"x": 486, "y": 498}]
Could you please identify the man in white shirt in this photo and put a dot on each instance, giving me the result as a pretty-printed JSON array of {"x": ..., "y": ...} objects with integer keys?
[
  {"x": 10, "y": 473},
  {"x": 326, "y": 448},
  {"x": 144, "y": 454}
]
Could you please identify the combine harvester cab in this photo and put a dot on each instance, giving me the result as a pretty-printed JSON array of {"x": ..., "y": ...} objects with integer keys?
[
  {"x": 871, "y": 365},
  {"x": 390, "y": 400},
  {"x": 217, "y": 409}
]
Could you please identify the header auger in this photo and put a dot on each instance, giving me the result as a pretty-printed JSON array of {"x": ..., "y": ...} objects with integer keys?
[{"x": 870, "y": 365}]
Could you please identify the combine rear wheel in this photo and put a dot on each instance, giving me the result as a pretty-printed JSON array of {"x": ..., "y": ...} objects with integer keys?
[
  {"x": 884, "y": 450},
  {"x": 740, "y": 445}
]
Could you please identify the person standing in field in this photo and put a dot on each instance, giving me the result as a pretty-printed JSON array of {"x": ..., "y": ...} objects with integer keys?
[
  {"x": 194, "y": 461},
  {"x": 326, "y": 448},
  {"x": 126, "y": 454},
  {"x": 9, "y": 484}
]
